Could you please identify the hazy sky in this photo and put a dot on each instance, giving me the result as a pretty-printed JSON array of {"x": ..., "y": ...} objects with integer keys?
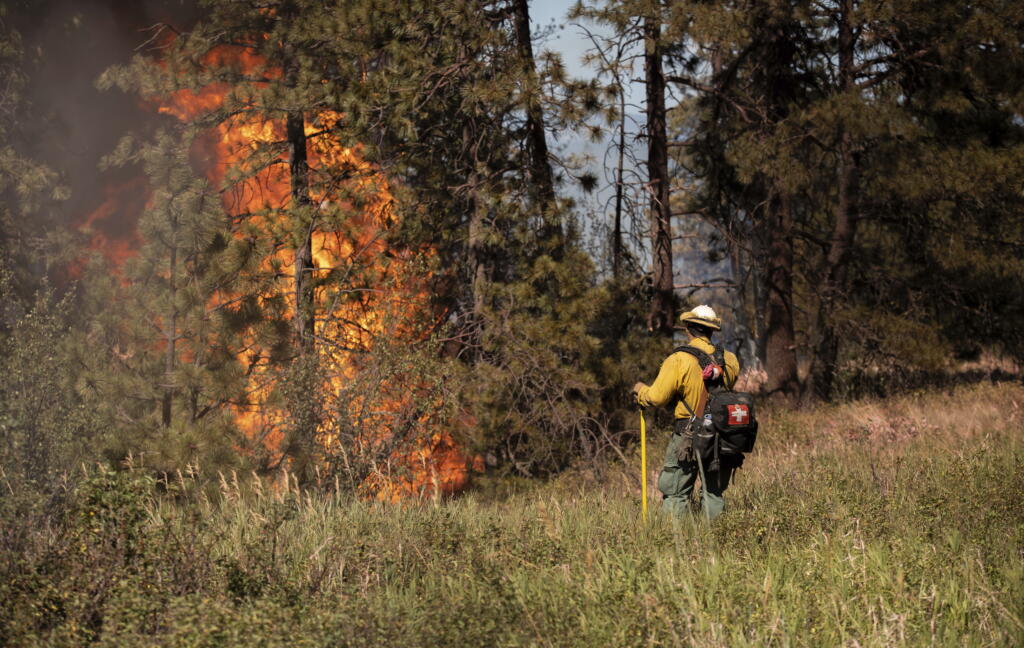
[
  {"x": 569, "y": 40},
  {"x": 566, "y": 38}
]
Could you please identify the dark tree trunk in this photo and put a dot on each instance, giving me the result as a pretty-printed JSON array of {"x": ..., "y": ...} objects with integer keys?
[
  {"x": 616, "y": 229},
  {"x": 660, "y": 317},
  {"x": 304, "y": 318},
  {"x": 619, "y": 189},
  {"x": 540, "y": 165},
  {"x": 780, "y": 340},
  {"x": 298, "y": 164},
  {"x": 775, "y": 76},
  {"x": 837, "y": 258}
]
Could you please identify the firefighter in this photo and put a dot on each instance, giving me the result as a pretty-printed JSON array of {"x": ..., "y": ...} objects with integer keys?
[{"x": 680, "y": 382}]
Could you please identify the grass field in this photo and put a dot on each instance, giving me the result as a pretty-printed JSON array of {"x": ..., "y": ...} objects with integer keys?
[{"x": 865, "y": 524}]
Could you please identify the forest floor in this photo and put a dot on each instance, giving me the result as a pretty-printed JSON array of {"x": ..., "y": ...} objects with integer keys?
[{"x": 874, "y": 523}]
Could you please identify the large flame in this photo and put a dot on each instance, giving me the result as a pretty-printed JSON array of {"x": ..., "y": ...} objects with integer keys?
[{"x": 257, "y": 196}]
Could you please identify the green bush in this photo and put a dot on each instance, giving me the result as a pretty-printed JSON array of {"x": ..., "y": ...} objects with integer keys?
[{"x": 45, "y": 429}]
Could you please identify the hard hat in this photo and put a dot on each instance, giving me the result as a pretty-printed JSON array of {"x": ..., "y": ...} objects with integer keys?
[{"x": 703, "y": 315}]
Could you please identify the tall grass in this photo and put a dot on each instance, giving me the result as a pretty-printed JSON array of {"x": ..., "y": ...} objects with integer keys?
[{"x": 868, "y": 524}]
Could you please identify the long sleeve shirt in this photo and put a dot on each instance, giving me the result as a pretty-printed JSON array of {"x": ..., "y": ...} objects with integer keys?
[{"x": 679, "y": 380}]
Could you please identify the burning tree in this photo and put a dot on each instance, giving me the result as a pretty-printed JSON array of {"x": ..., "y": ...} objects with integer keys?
[
  {"x": 299, "y": 285},
  {"x": 454, "y": 104},
  {"x": 382, "y": 176}
]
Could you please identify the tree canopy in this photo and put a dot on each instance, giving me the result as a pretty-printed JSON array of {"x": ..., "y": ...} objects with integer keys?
[{"x": 367, "y": 254}]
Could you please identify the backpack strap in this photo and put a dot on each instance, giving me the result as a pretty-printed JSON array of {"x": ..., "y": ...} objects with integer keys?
[
  {"x": 704, "y": 359},
  {"x": 689, "y": 409},
  {"x": 720, "y": 361},
  {"x": 719, "y": 356}
]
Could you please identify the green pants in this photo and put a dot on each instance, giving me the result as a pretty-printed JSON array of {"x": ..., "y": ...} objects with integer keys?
[{"x": 678, "y": 477}]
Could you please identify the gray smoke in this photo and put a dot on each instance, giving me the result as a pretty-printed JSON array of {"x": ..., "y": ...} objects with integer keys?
[{"x": 68, "y": 44}]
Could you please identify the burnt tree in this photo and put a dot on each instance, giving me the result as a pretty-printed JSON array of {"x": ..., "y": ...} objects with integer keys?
[{"x": 660, "y": 316}]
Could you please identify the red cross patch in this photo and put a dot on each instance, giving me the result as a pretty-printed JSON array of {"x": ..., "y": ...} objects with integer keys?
[{"x": 738, "y": 414}]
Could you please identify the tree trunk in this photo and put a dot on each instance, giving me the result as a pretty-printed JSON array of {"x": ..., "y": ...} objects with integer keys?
[
  {"x": 540, "y": 166},
  {"x": 780, "y": 340},
  {"x": 304, "y": 217},
  {"x": 298, "y": 165},
  {"x": 776, "y": 78},
  {"x": 619, "y": 189},
  {"x": 661, "y": 313},
  {"x": 826, "y": 351},
  {"x": 171, "y": 326}
]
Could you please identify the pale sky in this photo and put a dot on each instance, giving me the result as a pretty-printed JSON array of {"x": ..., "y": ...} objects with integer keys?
[
  {"x": 572, "y": 44},
  {"x": 566, "y": 39},
  {"x": 569, "y": 40}
]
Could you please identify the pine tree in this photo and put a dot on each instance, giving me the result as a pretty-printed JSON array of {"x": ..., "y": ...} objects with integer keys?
[
  {"x": 776, "y": 86},
  {"x": 454, "y": 109},
  {"x": 940, "y": 189},
  {"x": 662, "y": 305},
  {"x": 168, "y": 375},
  {"x": 304, "y": 216},
  {"x": 433, "y": 99}
]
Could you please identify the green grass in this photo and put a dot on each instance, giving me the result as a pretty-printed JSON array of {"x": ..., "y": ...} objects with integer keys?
[{"x": 868, "y": 524}]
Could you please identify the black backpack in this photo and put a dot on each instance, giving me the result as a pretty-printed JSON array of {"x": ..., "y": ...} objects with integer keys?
[{"x": 727, "y": 428}]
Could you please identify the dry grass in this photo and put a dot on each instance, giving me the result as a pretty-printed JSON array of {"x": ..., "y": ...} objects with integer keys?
[{"x": 865, "y": 524}]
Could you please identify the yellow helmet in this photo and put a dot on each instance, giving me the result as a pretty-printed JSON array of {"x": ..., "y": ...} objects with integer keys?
[{"x": 703, "y": 315}]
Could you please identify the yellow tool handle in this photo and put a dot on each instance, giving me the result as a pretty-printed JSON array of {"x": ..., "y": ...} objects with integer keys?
[{"x": 643, "y": 463}]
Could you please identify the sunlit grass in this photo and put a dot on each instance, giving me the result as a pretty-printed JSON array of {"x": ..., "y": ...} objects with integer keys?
[{"x": 867, "y": 524}]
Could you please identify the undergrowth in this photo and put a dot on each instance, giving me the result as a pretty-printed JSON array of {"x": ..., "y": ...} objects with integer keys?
[{"x": 867, "y": 524}]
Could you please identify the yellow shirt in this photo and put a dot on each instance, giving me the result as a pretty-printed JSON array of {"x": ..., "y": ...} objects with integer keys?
[{"x": 680, "y": 375}]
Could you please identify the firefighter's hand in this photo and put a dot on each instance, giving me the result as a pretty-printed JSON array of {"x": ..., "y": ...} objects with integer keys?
[{"x": 636, "y": 389}]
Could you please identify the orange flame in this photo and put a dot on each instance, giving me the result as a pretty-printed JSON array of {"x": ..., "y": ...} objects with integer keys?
[
  {"x": 257, "y": 192},
  {"x": 112, "y": 224}
]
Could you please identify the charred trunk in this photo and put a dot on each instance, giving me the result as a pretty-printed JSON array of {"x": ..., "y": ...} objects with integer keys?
[
  {"x": 660, "y": 317},
  {"x": 301, "y": 206},
  {"x": 305, "y": 311},
  {"x": 619, "y": 189}
]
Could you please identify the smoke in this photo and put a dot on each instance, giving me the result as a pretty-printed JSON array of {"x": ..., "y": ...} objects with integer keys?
[{"x": 68, "y": 44}]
